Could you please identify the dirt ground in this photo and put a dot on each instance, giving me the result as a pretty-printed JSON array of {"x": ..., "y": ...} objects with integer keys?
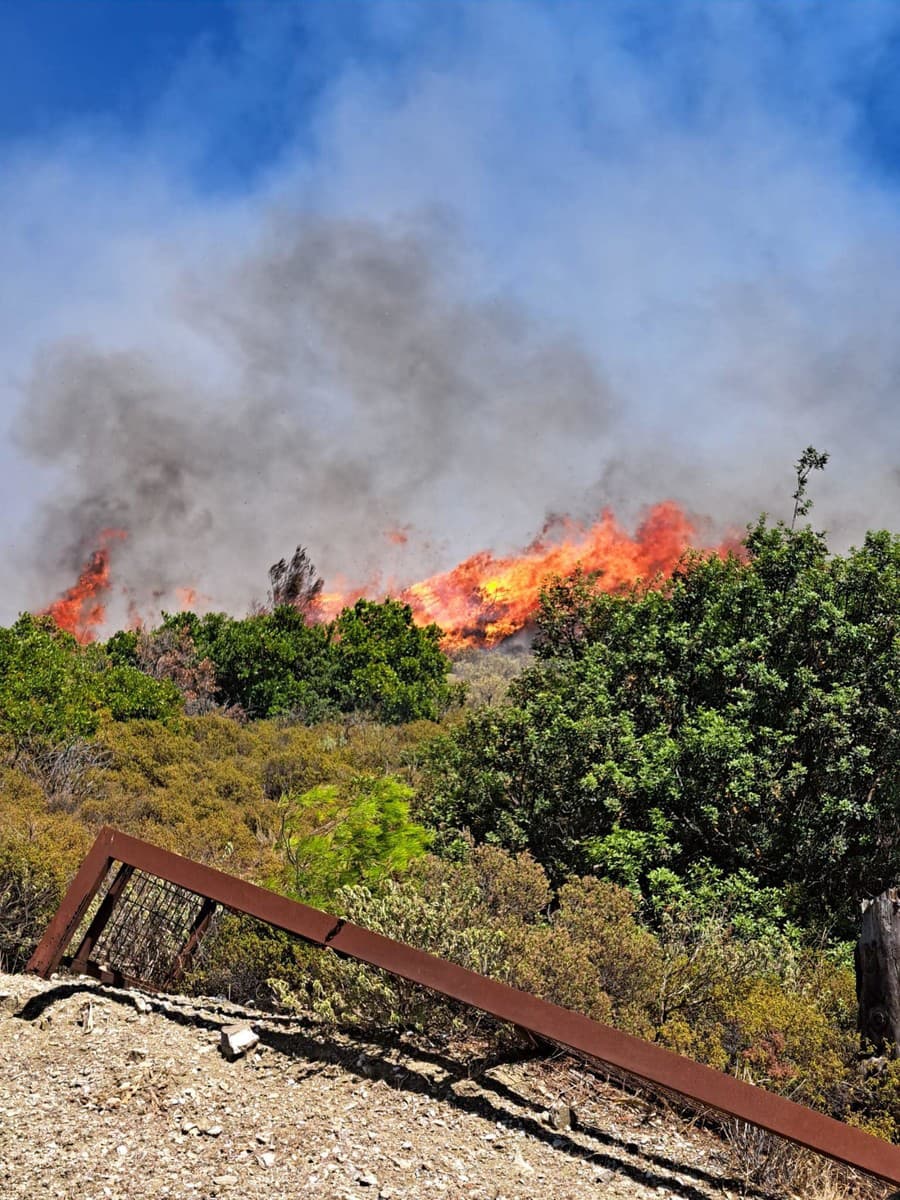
[{"x": 114, "y": 1095}]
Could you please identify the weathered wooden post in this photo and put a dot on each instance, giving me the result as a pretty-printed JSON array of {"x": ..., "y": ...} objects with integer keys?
[{"x": 878, "y": 974}]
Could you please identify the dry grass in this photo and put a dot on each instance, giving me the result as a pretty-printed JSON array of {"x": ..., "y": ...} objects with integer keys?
[{"x": 759, "y": 1159}]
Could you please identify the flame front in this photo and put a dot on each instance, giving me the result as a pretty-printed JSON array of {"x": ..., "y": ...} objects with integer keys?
[
  {"x": 481, "y": 602},
  {"x": 81, "y": 609},
  {"x": 487, "y": 599}
]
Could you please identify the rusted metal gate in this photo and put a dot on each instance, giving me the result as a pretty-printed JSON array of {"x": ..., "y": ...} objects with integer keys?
[{"x": 173, "y": 900}]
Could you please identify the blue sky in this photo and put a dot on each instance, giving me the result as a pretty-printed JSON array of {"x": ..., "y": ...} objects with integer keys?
[
  {"x": 282, "y": 272},
  {"x": 109, "y": 64}
]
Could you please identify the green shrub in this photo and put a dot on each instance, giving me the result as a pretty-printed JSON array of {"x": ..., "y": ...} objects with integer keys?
[
  {"x": 334, "y": 836},
  {"x": 785, "y": 1041},
  {"x": 54, "y": 691},
  {"x": 372, "y": 659},
  {"x": 242, "y": 957},
  {"x": 489, "y": 913}
]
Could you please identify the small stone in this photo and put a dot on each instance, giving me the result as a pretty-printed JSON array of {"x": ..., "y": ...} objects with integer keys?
[
  {"x": 561, "y": 1116},
  {"x": 121, "y": 1150},
  {"x": 367, "y": 1179},
  {"x": 141, "y": 1003},
  {"x": 266, "y": 1159},
  {"x": 235, "y": 1040},
  {"x": 137, "y": 1054},
  {"x": 522, "y": 1165},
  {"x": 224, "y": 1180},
  {"x": 212, "y": 1130}
]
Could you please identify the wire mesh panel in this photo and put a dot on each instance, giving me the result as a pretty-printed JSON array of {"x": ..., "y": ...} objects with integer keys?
[{"x": 150, "y": 926}]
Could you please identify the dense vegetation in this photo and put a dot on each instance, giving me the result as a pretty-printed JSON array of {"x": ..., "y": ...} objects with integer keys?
[
  {"x": 372, "y": 659},
  {"x": 740, "y": 721},
  {"x": 665, "y": 819}
]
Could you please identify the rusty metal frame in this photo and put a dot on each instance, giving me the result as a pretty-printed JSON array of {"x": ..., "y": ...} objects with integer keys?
[{"x": 576, "y": 1032}]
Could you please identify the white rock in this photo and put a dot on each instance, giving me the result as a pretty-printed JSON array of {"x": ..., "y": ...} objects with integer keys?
[
  {"x": 522, "y": 1165},
  {"x": 235, "y": 1040}
]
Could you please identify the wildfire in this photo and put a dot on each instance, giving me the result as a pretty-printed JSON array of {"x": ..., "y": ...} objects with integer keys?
[
  {"x": 81, "y": 609},
  {"x": 398, "y": 536},
  {"x": 486, "y": 598},
  {"x": 481, "y": 602},
  {"x": 188, "y": 598}
]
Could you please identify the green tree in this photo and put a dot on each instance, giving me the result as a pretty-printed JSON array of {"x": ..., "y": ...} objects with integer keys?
[
  {"x": 750, "y": 706},
  {"x": 371, "y": 659},
  {"x": 810, "y": 460},
  {"x": 268, "y": 664},
  {"x": 52, "y": 690},
  {"x": 388, "y": 666}
]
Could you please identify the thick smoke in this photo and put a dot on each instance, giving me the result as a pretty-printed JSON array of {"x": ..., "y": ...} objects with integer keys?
[
  {"x": 529, "y": 258},
  {"x": 351, "y": 393}
]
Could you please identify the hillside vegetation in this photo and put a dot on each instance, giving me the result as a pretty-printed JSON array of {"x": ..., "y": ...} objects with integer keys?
[{"x": 666, "y": 819}]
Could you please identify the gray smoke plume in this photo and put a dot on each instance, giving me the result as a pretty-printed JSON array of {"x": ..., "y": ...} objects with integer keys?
[
  {"x": 351, "y": 393},
  {"x": 681, "y": 200}
]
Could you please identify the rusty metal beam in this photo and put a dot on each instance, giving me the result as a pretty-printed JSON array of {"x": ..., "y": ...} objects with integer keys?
[
  {"x": 186, "y": 954},
  {"x": 107, "y": 975},
  {"x": 75, "y": 904},
  {"x": 102, "y": 915},
  {"x": 570, "y": 1029}
]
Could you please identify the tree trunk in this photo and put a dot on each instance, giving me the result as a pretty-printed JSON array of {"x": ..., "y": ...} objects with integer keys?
[{"x": 878, "y": 975}]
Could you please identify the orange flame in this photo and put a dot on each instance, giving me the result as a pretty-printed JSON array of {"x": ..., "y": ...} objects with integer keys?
[
  {"x": 488, "y": 598},
  {"x": 481, "y": 602},
  {"x": 81, "y": 610},
  {"x": 187, "y": 597}
]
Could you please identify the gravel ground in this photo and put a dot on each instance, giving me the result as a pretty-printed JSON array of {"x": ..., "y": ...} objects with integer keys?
[{"x": 106, "y": 1094}]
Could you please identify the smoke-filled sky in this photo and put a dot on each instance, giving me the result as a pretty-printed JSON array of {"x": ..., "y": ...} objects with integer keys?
[{"x": 313, "y": 272}]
